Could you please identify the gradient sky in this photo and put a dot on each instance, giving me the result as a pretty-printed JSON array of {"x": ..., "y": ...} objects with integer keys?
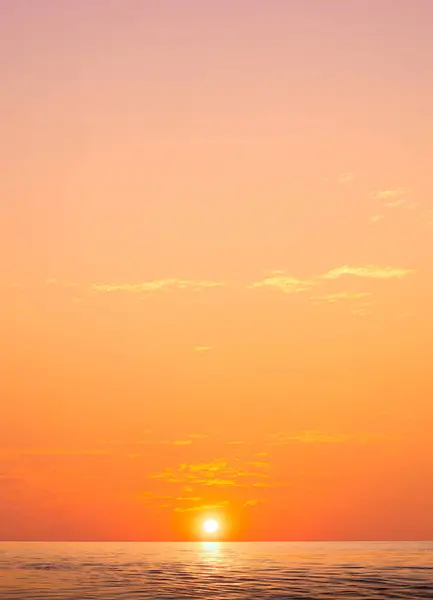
[{"x": 216, "y": 236}]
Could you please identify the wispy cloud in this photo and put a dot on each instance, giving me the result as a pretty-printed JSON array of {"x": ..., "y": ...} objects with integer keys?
[
  {"x": 170, "y": 501},
  {"x": 252, "y": 475},
  {"x": 216, "y": 482},
  {"x": 388, "y": 194},
  {"x": 368, "y": 271},
  {"x": 284, "y": 283},
  {"x": 212, "y": 466},
  {"x": 158, "y": 285},
  {"x": 215, "y": 473},
  {"x": 360, "y": 311},
  {"x": 259, "y": 464},
  {"x": 202, "y": 507},
  {"x": 189, "y": 499},
  {"x": 358, "y": 302},
  {"x": 346, "y": 178},
  {"x": 169, "y": 475},
  {"x": 202, "y": 348},
  {"x": 343, "y": 296},
  {"x": 150, "y": 497},
  {"x": 252, "y": 503},
  {"x": 202, "y": 485},
  {"x": 188, "y": 440},
  {"x": 289, "y": 284},
  {"x": 395, "y": 203},
  {"x": 59, "y": 283},
  {"x": 321, "y": 437},
  {"x": 62, "y": 452}
]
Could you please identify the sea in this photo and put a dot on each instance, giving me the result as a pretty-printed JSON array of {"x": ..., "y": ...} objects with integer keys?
[{"x": 214, "y": 570}]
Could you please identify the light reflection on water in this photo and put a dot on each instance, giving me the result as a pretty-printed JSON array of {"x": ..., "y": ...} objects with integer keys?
[{"x": 215, "y": 570}]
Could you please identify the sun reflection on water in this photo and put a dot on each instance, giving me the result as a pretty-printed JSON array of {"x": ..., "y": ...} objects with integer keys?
[
  {"x": 213, "y": 547},
  {"x": 211, "y": 554}
]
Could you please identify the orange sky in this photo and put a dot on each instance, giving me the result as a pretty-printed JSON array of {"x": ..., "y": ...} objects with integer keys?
[{"x": 216, "y": 243}]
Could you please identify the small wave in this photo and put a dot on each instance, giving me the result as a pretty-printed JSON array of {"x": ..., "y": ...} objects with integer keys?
[{"x": 185, "y": 571}]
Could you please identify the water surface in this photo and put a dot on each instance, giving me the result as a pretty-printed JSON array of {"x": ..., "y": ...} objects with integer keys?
[{"x": 217, "y": 571}]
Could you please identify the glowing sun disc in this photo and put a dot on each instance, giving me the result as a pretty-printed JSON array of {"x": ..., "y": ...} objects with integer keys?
[{"x": 210, "y": 526}]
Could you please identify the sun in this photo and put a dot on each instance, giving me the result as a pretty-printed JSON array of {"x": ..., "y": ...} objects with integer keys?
[{"x": 211, "y": 526}]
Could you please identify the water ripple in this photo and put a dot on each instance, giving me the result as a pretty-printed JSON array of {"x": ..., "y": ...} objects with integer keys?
[{"x": 257, "y": 571}]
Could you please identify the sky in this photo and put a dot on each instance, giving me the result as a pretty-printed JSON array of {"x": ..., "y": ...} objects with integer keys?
[{"x": 216, "y": 247}]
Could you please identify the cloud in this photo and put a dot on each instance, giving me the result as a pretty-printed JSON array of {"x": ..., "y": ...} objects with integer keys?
[
  {"x": 202, "y": 507},
  {"x": 285, "y": 283},
  {"x": 169, "y": 475},
  {"x": 209, "y": 467},
  {"x": 57, "y": 282},
  {"x": 215, "y": 473},
  {"x": 368, "y": 271},
  {"x": 202, "y": 348},
  {"x": 387, "y": 194},
  {"x": 343, "y": 296},
  {"x": 190, "y": 439},
  {"x": 291, "y": 285},
  {"x": 151, "y": 496},
  {"x": 392, "y": 198},
  {"x": 189, "y": 499},
  {"x": 200, "y": 473},
  {"x": 158, "y": 285},
  {"x": 170, "y": 501},
  {"x": 346, "y": 178},
  {"x": 394, "y": 203},
  {"x": 320, "y": 437},
  {"x": 251, "y": 503},
  {"x": 62, "y": 452},
  {"x": 361, "y": 311},
  {"x": 251, "y": 474},
  {"x": 216, "y": 482}
]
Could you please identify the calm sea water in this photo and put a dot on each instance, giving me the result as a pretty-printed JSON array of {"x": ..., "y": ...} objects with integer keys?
[{"x": 218, "y": 571}]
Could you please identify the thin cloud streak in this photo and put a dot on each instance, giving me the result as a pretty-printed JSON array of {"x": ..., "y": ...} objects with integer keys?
[
  {"x": 368, "y": 271},
  {"x": 292, "y": 285},
  {"x": 323, "y": 437},
  {"x": 158, "y": 285},
  {"x": 386, "y": 194},
  {"x": 285, "y": 283}
]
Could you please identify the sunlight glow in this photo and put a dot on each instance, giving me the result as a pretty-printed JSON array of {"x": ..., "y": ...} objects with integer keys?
[{"x": 210, "y": 526}]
